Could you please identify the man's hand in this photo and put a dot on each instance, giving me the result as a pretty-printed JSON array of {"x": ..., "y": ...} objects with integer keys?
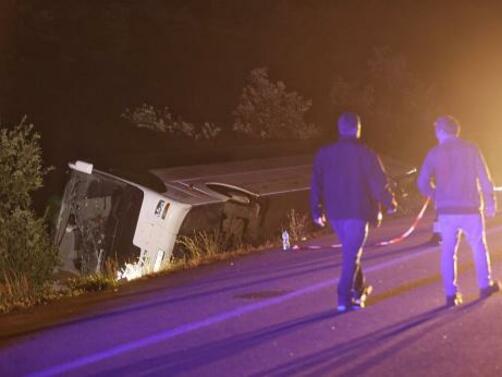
[
  {"x": 321, "y": 221},
  {"x": 378, "y": 220},
  {"x": 490, "y": 211},
  {"x": 393, "y": 208}
]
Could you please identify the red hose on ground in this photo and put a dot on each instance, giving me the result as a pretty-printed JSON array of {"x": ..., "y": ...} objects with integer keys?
[
  {"x": 392, "y": 241},
  {"x": 410, "y": 230}
]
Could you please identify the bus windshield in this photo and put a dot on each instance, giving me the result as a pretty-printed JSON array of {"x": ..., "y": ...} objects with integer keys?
[{"x": 97, "y": 221}]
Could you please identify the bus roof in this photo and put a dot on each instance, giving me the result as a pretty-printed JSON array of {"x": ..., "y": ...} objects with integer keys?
[
  {"x": 204, "y": 184},
  {"x": 200, "y": 184}
]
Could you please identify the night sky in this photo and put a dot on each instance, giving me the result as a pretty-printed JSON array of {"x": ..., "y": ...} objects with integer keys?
[{"x": 74, "y": 66}]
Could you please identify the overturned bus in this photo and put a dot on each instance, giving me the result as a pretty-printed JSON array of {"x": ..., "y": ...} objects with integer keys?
[{"x": 106, "y": 214}]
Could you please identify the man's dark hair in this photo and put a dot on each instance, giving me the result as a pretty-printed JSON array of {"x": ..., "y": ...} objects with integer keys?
[
  {"x": 348, "y": 123},
  {"x": 448, "y": 124}
]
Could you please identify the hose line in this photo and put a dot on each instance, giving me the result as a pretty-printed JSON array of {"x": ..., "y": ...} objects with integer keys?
[{"x": 392, "y": 241}]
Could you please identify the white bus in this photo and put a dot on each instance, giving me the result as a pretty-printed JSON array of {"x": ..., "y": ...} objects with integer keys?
[{"x": 106, "y": 215}]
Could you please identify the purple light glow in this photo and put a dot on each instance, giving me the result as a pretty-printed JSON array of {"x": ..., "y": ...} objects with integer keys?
[{"x": 172, "y": 333}]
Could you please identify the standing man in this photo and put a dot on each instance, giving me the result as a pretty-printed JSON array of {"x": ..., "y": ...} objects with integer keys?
[
  {"x": 348, "y": 186},
  {"x": 453, "y": 174}
]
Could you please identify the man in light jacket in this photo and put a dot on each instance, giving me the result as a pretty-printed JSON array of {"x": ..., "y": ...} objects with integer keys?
[
  {"x": 454, "y": 174},
  {"x": 348, "y": 186}
]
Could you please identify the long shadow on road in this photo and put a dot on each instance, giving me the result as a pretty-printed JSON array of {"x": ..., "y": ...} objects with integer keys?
[
  {"x": 327, "y": 361},
  {"x": 297, "y": 270},
  {"x": 356, "y": 356},
  {"x": 187, "y": 359}
]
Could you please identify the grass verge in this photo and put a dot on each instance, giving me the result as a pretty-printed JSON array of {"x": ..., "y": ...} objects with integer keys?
[{"x": 201, "y": 248}]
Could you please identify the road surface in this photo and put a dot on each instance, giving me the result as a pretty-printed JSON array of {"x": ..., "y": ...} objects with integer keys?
[{"x": 272, "y": 314}]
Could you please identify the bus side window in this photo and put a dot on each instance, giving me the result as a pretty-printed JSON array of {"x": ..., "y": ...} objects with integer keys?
[{"x": 159, "y": 207}]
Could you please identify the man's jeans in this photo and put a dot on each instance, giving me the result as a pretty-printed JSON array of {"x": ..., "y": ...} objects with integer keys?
[
  {"x": 352, "y": 234},
  {"x": 473, "y": 227}
]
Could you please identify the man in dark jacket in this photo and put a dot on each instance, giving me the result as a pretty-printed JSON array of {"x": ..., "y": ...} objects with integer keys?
[
  {"x": 348, "y": 186},
  {"x": 453, "y": 174}
]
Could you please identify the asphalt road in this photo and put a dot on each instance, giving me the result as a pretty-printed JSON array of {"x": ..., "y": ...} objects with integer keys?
[{"x": 272, "y": 314}]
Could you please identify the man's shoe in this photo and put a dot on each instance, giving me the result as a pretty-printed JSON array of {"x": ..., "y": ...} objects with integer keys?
[
  {"x": 494, "y": 287},
  {"x": 454, "y": 300},
  {"x": 359, "y": 300},
  {"x": 342, "y": 308},
  {"x": 435, "y": 239}
]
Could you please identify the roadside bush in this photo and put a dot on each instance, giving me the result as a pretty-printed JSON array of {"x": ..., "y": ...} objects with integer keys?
[
  {"x": 107, "y": 278},
  {"x": 298, "y": 225},
  {"x": 27, "y": 257},
  {"x": 391, "y": 97},
  {"x": 25, "y": 247},
  {"x": 267, "y": 111},
  {"x": 163, "y": 121},
  {"x": 202, "y": 248},
  {"x": 199, "y": 245}
]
